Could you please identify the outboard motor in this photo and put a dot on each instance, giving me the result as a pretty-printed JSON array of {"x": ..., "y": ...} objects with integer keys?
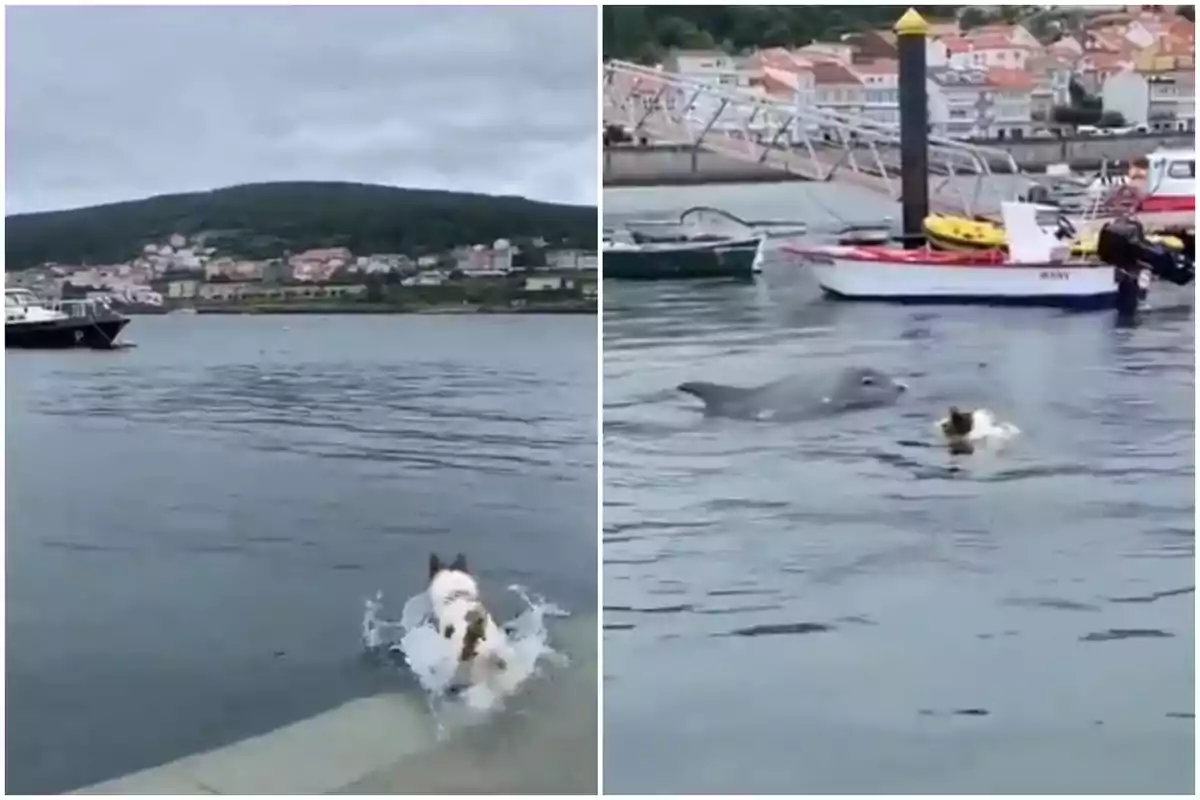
[
  {"x": 1189, "y": 244},
  {"x": 1122, "y": 243}
]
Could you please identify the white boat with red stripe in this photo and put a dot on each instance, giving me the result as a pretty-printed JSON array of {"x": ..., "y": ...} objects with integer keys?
[
  {"x": 1037, "y": 270},
  {"x": 1170, "y": 183}
]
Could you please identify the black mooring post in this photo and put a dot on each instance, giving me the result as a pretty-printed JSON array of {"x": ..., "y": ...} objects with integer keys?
[{"x": 911, "y": 31}]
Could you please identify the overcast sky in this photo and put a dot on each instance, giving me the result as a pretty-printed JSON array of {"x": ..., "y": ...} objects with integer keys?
[{"x": 108, "y": 104}]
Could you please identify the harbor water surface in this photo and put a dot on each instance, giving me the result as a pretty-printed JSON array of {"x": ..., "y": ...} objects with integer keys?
[
  {"x": 193, "y": 525},
  {"x": 840, "y": 606}
]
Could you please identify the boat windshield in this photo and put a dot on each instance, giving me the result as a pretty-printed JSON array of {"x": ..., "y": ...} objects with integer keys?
[
  {"x": 18, "y": 298},
  {"x": 1172, "y": 170},
  {"x": 1182, "y": 170}
]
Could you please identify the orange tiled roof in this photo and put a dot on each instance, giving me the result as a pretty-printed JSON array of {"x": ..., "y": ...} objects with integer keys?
[
  {"x": 878, "y": 66},
  {"x": 1106, "y": 39},
  {"x": 1172, "y": 45},
  {"x": 781, "y": 58},
  {"x": 1105, "y": 62},
  {"x": 1005, "y": 78},
  {"x": 646, "y": 85},
  {"x": 779, "y": 81},
  {"x": 989, "y": 42},
  {"x": 957, "y": 44},
  {"x": 827, "y": 73},
  {"x": 1182, "y": 27}
]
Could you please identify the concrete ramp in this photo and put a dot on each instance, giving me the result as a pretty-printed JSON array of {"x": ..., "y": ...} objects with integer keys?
[{"x": 544, "y": 743}]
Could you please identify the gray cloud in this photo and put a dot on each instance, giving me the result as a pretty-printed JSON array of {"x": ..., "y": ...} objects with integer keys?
[{"x": 109, "y": 104}]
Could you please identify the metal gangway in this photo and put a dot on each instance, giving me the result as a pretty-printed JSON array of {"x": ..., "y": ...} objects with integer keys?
[{"x": 817, "y": 144}]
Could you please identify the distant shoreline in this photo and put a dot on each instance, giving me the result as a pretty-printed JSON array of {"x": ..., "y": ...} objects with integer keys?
[{"x": 377, "y": 309}]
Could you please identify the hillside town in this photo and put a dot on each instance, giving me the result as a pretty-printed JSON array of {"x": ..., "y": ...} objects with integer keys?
[
  {"x": 996, "y": 81},
  {"x": 185, "y": 272}
]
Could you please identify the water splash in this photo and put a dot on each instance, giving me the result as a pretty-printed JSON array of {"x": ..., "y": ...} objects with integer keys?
[{"x": 434, "y": 662}]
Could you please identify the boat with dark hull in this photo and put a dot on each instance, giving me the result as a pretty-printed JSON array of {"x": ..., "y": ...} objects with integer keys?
[
  {"x": 705, "y": 223},
  {"x": 32, "y": 323},
  {"x": 679, "y": 260}
]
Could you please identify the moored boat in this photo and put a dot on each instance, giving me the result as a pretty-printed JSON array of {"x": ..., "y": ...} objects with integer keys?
[
  {"x": 33, "y": 323},
  {"x": 684, "y": 259},
  {"x": 705, "y": 223},
  {"x": 888, "y": 274},
  {"x": 1036, "y": 270},
  {"x": 1170, "y": 183},
  {"x": 1163, "y": 199}
]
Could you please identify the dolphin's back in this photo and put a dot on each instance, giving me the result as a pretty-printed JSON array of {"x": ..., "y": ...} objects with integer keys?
[{"x": 718, "y": 398}]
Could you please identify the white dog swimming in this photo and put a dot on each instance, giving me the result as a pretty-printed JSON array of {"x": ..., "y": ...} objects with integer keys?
[
  {"x": 966, "y": 431},
  {"x": 481, "y": 646}
]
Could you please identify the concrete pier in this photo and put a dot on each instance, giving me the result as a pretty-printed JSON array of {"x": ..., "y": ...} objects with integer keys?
[
  {"x": 387, "y": 745},
  {"x": 673, "y": 164}
]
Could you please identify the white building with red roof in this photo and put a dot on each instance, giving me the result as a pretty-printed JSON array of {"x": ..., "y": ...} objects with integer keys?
[
  {"x": 881, "y": 93},
  {"x": 989, "y": 51},
  {"x": 1012, "y": 102},
  {"x": 838, "y": 88},
  {"x": 960, "y": 103}
]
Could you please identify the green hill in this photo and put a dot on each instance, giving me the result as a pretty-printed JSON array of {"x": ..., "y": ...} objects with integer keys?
[
  {"x": 647, "y": 33},
  {"x": 263, "y": 220}
]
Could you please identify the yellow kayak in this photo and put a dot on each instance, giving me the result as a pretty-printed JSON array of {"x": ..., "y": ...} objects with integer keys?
[
  {"x": 947, "y": 232},
  {"x": 962, "y": 233}
]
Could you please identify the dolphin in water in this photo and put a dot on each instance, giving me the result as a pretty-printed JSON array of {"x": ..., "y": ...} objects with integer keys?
[{"x": 799, "y": 397}]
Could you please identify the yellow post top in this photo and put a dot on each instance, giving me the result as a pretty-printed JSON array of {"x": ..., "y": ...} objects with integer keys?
[{"x": 911, "y": 24}]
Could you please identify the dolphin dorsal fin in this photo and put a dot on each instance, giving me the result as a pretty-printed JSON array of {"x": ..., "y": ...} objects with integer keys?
[{"x": 714, "y": 395}]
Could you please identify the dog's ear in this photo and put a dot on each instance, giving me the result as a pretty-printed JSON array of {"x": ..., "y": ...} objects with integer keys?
[
  {"x": 435, "y": 564},
  {"x": 959, "y": 422},
  {"x": 459, "y": 563}
]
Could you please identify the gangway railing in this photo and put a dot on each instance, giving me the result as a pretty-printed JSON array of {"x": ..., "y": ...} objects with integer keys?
[{"x": 814, "y": 143}]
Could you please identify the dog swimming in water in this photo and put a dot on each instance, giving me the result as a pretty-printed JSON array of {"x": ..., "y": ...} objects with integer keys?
[
  {"x": 481, "y": 646},
  {"x": 966, "y": 431}
]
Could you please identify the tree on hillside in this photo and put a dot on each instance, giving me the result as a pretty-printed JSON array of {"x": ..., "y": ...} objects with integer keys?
[
  {"x": 265, "y": 220},
  {"x": 1080, "y": 98},
  {"x": 972, "y": 17},
  {"x": 638, "y": 32}
]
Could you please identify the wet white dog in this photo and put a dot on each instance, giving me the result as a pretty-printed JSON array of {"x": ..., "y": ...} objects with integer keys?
[
  {"x": 966, "y": 431},
  {"x": 480, "y": 645}
]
